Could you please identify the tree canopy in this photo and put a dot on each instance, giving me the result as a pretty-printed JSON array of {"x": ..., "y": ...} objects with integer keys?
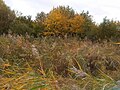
[
  {"x": 62, "y": 20},
  {"x": 6, "y": 17}
]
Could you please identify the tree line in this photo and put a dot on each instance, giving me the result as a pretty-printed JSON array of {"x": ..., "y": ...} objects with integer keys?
[{"x": 60, "y": 21}]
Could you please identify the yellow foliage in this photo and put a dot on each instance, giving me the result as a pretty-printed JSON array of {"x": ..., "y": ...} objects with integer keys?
[
  {"x": 61, "y": 21},
  {"x": 56, "y": 22},
  {"x": 76, "y": 24}
]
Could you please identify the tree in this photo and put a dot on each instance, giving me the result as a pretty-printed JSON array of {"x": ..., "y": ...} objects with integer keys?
[
  {"x": 39, "y": 23},
  {"x": 22, "y": 25},
  {"x": 57, "y": 21},
  {"x": 40, "y": 18},
  {"x": 117, "y": 36},
  {"x": 107, "y": 29},
  {"x": 89, "y": 27},
  {"x": 76, "y": 24},
  {"x": 6, "y": 17}
]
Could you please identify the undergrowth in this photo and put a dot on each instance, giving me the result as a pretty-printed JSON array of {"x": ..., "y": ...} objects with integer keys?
[{"x": 51, "y": 63}]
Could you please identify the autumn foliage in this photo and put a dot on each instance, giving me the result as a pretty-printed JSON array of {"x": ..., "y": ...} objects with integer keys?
[
  {"x": 60, "y": 21},
  {"x": 59, "y": 50}
]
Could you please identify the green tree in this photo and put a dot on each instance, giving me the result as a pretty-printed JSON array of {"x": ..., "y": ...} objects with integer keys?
[
  {"x": 89, "y": 27},
  {"x": 108, "y": 29},
  {"x": 39, "y": 23},
  {"x": 22, "y": 25},
  {"x": 6, "y": 17}
]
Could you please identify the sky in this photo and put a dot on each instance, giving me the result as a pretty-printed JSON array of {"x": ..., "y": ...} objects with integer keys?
[{"x": 97, "y": 8}]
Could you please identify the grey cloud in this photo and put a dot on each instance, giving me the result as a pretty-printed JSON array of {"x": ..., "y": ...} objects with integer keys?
[{"x": 98, "y": 8}]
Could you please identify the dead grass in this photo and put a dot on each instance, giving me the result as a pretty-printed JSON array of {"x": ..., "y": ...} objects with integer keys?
[{"x": 45, "y": 64}]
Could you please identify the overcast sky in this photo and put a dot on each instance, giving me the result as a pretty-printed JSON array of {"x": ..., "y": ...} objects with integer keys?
[{"x": 97, "y": 8}]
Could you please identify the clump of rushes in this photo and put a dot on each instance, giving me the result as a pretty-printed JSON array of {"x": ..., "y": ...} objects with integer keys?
[{"x": 51, "y": 63}]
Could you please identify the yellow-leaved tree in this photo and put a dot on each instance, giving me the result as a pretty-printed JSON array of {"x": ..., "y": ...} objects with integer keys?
[
  {"x": 57, "y": 21},
  {"x": 63, "y": 20},
  {"x": 76, "y": 24}
]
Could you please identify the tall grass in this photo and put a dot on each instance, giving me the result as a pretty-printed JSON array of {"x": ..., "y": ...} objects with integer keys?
[{"x": 51, "y": 63}]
